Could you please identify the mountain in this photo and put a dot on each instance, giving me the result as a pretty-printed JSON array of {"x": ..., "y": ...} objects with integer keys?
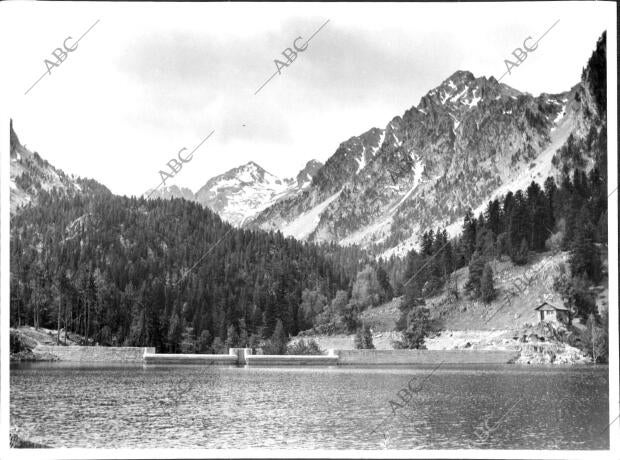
[
  {"x": 31, "y": 175},
  {"x": 242, "y": 192},
  {"x": 305, "y": 176},
  {"x": 170, "y": 192},
  {"x": 467, "y": 141}
]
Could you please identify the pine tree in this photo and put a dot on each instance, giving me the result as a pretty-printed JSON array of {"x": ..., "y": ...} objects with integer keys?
[
  {"x": 218, "y": 346},
  {"x": 419, "y": 325},
  {"x": 476, "y": 267},
  {"x": 493, "y": 216},
  {"x": 538, "y": 217},
  {"x": 507, "y": 206},
  {"x": 487, "y": 289},
  {"x": 175, "y": 332},
  {"x": 136, "y": 331},
  {"x": 414, "y": 281},
  {"x": 519, "y": 222},
  {"x": 520, "y": 256},
  {"x": 243, "y": 334},
  {"x": 276, "y": 345},
  {"x": 188, "y": 340},
  {"x": 584, "y": 255},
  {"x": 550, "y": 196},
  {"x": 384, "y": 282},
  {"x": 427, "y": 243},
  {"x": 363, "y": 338},
  {"x": 576, "y": 294},
  {"x": 269, "y": 319},
  {"x": 469, "y": 233},
  {"x": 232, "y": 338},
  {"x": 204, "y": 341}
]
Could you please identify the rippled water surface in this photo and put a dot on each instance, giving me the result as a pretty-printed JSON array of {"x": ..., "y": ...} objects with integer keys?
[{"x": 502, "y": 407}]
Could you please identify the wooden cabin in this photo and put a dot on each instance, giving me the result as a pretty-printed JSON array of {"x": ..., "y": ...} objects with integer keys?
[{"x": 552, "y": 313}]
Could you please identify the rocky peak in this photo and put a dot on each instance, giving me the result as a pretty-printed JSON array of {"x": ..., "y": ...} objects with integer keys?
[
  {"x": 249, "y": 172},
  {"x": 305, "y": 176},
  {"x": 462, "y": 91}
]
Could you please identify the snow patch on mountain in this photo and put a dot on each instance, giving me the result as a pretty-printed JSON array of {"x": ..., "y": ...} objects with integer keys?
[
  {"x": 561, "y": 114},
  {"x": 397, "y": 142},
  {"x": 379, "y": 144},
  {"x": 458, "y": 96},
  {"x": 306, "y": 223},
  {"x": 362, "y": 162},
  {"x": 475, "y": 100}
]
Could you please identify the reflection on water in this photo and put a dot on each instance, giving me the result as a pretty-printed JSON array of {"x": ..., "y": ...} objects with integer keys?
[{"x": 65, "y": 405}]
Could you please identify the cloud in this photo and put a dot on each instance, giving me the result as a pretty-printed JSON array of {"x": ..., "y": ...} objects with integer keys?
[{"x": 152, "y": 78}]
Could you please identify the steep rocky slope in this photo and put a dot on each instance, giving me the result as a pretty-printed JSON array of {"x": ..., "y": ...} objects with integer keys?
[
  {"x": 467, "y": 141},
  {"x": 30, "y": 175}
]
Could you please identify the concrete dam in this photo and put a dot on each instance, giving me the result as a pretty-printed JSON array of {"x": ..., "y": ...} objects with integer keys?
[{"x": 244, "y": 357}]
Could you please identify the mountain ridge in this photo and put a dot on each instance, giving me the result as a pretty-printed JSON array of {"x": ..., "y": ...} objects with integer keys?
[
  {"x": 30, "y": 175},
  {"x": 242, "y": 191},
  {"x": 466, "y": 139}
]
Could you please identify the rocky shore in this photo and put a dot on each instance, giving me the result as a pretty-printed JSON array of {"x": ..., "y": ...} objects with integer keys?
[
  {"x": 536, "y": 344},
  {"x": 25, "y": 347}
]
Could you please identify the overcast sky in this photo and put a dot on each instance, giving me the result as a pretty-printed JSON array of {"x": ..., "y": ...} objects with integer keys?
[{"x": 150, "y": 79}]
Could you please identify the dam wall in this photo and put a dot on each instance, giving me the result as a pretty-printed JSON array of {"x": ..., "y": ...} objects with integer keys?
[
  {"x": 291, "y": 360},
  {"x": 404, "y": 357},
  {"x": 96, "y": 353},
  {"x": 244, "y": 356},
  {"x": 207, "y": 360}
]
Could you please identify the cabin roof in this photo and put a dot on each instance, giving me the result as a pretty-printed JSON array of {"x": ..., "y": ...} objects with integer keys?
[{"x": 546, "y": 306}]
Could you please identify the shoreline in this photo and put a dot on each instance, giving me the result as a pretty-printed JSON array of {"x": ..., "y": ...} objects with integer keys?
[
  {"x": 532, "y": 356},
  {"x": 466, "y": 347}
]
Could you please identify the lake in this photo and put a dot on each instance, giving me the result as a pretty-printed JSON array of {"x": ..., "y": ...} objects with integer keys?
[{"x": 524, "y": 407}]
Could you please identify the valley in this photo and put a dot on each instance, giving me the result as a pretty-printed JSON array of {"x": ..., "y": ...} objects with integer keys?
[{"x": 415, "y": 235}]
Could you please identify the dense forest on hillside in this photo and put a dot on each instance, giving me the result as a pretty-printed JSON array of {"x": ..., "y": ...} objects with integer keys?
[
  {"x": 157, "y": 273},
  {"x": 170, "y": 274},
  {"x": 570, "y": 216}
]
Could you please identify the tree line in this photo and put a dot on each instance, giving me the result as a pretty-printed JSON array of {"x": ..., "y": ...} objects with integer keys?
[
  {"x": 163, "y": 273},
  {"x": 569, "y": 216}
]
